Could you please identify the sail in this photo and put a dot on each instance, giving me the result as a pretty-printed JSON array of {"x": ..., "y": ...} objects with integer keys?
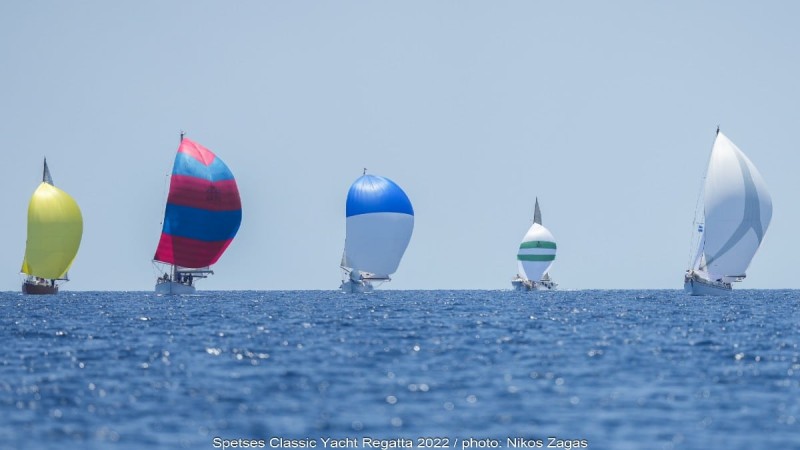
[
  {"x": 738, "y": 209},
  {"x": 699, "y": 259},
  {"x": 537, "y": 213},
  {"x": 203, "y": 210},
  {"x": 380, "y": 220},
  {"x": 55, "y": 227},
  {"x": 536, "y": 252},
  {"x": 46, "y": 174},
  {"x": 345, "y": 264}
]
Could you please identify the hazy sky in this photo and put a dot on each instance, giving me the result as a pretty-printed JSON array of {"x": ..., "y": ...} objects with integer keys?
[{"x": 604, "y": 110}]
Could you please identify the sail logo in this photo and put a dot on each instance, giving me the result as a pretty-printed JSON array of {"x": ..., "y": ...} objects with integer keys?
[{"x": 213, "y": 195}]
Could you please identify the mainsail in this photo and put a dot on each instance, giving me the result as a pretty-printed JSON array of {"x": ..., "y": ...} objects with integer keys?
[
  {"x": 738, "y": 209},
  {"x": 203, "y": 210},
  {"x": 55, "y": 228},
  {"x": 537, "y": 251},
  {"x": 380, "y": 220},
  {"x": 537, "y": 213}
]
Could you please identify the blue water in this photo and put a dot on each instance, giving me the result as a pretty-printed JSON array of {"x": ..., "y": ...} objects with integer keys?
[{"x": 603, "y": 369}]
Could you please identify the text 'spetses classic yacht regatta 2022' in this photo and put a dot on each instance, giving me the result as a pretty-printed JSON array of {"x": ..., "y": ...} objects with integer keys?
[
  {"x": 380, "y": 220},
  {"x": 202, "y": 216},
  {"x": 736, "y": 212},
  {"x": 535, "y": 256},
  {"x": 55, "y": 228}
]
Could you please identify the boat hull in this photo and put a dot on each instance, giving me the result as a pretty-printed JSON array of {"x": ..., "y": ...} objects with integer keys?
[
  {"x": 696, "y": 286},
  {"x": 174, "y": 288},
  {"x": 356, "y": 287},
  {"x": 527, "y": 285},
  {"x": 39, "y": 289}
]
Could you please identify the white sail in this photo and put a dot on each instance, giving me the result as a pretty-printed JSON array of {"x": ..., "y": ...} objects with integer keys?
[
  {"x": 537, "y": 251},
  {"x": 376, "y": 242},
  {"x": 738, "y": 209}
]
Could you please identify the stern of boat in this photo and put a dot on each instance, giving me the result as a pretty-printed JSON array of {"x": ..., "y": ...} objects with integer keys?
[
  {"x": 173, "y": 288},
  {"x": 33, "y": 288}
]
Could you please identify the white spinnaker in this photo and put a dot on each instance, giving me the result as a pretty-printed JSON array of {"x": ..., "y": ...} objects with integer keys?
[
  {"x": 738, "y": 209},
  {"x": 375, "y": 242},
  {"x": 537, "y": 244}
]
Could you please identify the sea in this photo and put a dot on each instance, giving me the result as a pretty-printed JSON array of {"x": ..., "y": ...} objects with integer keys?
[{"x": 597, "y": 369}]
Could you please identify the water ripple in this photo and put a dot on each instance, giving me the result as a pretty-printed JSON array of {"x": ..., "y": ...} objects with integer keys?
[{"x": 621, "y": 369}]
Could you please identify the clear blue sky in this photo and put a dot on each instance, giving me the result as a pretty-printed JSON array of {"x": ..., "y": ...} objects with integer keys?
[{"x": 604, "y": 110}]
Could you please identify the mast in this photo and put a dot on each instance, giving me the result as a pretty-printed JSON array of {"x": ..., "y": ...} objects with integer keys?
[
  {"x": 537, "y": 214},
  {"x": 696, "y": 260},
  {"x": 174, "y": 266}
]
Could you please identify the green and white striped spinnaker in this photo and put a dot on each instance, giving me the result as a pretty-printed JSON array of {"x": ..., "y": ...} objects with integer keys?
[{"x": 537, "y": 250}]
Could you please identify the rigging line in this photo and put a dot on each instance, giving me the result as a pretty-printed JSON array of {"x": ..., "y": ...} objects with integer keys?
[
  {"x": 165, "y": 196},
  {"x": 694, "y": 246}
]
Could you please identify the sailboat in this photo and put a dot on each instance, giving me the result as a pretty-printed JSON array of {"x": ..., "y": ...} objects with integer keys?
[
  {"x": 202, "y": 216},
  {"x": 55, "y": 228},
  {"x": 736, "y": 212},
  {"x": 380, "y": 220},
  {"x": 536, "y": 254}
]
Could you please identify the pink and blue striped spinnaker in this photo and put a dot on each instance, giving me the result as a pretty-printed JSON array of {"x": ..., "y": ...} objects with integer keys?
[{"x": 203, "y": 210}]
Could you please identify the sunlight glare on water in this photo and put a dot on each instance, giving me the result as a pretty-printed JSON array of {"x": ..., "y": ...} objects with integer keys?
[{"x": 618, "y": 369}]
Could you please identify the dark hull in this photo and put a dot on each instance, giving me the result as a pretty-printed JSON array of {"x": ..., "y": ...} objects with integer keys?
[{"x": 39, "y": 289}]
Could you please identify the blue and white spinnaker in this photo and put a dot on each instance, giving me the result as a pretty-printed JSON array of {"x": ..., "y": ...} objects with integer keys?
[{"x": 380, "y": 220}]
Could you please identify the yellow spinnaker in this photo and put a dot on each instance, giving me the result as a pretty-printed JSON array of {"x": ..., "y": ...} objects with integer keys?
[{"x": 55, "y": 227}]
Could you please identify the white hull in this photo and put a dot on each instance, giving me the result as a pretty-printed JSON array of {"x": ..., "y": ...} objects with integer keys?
[
  {"x": 694, "y": 285},
  {"x": 173, "y": 288},
  {"x": 356, "y": 287},
  {"x": 527, "y": 285}
]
